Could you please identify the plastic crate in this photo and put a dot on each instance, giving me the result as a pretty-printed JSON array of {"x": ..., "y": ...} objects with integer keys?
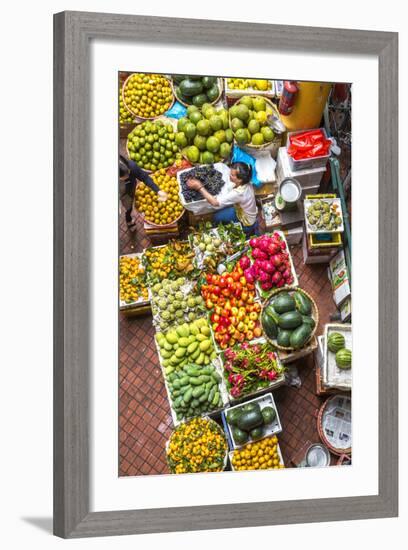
[
  {"x": 303, "y": 164},
  {"x": 274, "y": 428}
]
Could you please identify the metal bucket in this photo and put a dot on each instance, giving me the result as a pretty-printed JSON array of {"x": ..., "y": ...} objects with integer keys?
[{"x": 291, "y": 192}]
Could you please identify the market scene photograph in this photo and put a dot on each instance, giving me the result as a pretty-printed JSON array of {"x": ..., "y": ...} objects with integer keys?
[{"x": 234, "y": 274}]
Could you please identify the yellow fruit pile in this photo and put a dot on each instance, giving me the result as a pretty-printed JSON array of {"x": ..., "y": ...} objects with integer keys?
[
  {"x": 147, "y": 95},
  {"x": 170, "y": 261},
  {"x": 261, "y": 455},
  {"x": 131, "y": 280},
  {"x": 245, "y": 83},
  {"x": 197, "y": 446},
  {"x": 147, "y": 201}
]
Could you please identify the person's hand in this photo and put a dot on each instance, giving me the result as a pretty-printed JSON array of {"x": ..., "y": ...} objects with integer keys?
[
  {"x": 194, "y": 183},
  {"x": 162, "y": 196}
]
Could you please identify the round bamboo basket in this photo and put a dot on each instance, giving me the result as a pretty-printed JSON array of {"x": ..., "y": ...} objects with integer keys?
[
  {"x": 270, "y": 145},
  {"x": 335, "y": 450},
  {"x": 161, "y": 225},
  {"x": 220, "y": 85},
  {"x": 315, "y": 314},
  {"x": 138, "y": 117},
  {"x": 165, "y": 120}
]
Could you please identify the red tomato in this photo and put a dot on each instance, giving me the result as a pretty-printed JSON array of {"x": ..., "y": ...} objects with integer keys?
[
  {"x": 235, "y": 276},
  {"x": 222, "y": 282},
  {"x": 208, "y": 278}
]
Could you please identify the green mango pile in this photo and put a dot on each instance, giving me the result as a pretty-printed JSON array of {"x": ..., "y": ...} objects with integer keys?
[
  {"x": 187, "y": 343},
  {"x": 194, "y": 390}
]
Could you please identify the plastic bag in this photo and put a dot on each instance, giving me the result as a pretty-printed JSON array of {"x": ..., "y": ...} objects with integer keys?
[
  {"x": 177, "y": 110},
  {"x": 238, "y": 155},
  {"x": 310, "y": 144}
]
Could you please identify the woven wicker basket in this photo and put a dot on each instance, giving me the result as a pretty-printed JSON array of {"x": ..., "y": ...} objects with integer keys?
[
  {"x": 271, "y": 146},
  {"x": 164, "y": 225},
  {"x": 220, "y": 84},
  {"x": 165, "y": 120},
  {"x": 315, "y": 314},
  {"x": 138, "y": 117},
  {"x": 329, "y": 445}
]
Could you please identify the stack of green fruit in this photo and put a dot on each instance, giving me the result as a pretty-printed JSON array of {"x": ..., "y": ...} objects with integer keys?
[
  {"x": 248, "y": 121},
  {"x": 175, "y": 301},
  {"x": 152, "y": 145},
  {"x": 204, "y": 135},
  {"x": 287, "y": 319},
  {"x": 185, "y": 344},
  {"x": 250, "y": 422},
  {"x": 196, "y": 90},
  {"x": 336, "y": 343},
  {"x": 194, "y": 390}
]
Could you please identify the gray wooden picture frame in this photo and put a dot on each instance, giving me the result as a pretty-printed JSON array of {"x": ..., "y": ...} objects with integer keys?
[{"x": 72, "y": 34}]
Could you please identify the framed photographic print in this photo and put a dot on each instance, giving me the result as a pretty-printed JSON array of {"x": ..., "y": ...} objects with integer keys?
[{"x": 225, "y": 245}]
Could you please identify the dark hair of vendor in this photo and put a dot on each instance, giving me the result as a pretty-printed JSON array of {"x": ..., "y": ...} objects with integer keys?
[{"x": 244, "y": 171}]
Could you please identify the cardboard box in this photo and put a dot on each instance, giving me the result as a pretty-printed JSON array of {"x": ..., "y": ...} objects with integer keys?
[
  {"x": 309, "y": 178},
  {"x": 339, "y": 278}
]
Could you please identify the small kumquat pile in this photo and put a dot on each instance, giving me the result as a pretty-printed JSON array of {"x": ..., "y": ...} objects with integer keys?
[
  {"x": 132, "y": 280},
  {"x": 197, "y": 446},
  {"x": 261, "y": 455}
]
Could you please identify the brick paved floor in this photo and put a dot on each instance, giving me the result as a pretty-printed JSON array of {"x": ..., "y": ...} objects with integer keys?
[{"x": 145, "y": 421}]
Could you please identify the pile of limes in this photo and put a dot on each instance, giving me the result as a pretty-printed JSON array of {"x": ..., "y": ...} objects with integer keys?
[
  {"x": 146, "y": 200},
  {"x": 152, "y": 145},
  {"x": 147, "y": 95}
]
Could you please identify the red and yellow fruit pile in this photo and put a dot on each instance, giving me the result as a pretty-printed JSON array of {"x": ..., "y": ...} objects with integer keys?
[
  {"x": 235, "y": 313},
  {"x": 132, "y": 280},
  {"x": 197, "y": 446},
  {"x": 146, "y": 200},
  {"x": 147, "y": 95},
  {"x": 261, "y": 455}
]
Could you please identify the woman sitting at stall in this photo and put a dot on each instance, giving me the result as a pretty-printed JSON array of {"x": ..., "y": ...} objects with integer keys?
[{"x": 238, "y": 203}]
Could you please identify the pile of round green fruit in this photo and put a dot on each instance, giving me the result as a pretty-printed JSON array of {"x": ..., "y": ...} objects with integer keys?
[
  {"x": 196, "y": 90},
  {"x": 174, "y": 301},
  {"x": 152, "y": 145},
  {"x": 204, "y": 135},
  {"x": 248, "y": 121}
]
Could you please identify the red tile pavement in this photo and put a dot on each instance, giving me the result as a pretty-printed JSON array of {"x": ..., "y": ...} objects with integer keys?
[{"x": 144, "y": 414}]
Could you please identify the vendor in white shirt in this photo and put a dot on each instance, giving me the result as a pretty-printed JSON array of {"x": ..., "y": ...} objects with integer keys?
[{"x": 235, "y": 204}]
